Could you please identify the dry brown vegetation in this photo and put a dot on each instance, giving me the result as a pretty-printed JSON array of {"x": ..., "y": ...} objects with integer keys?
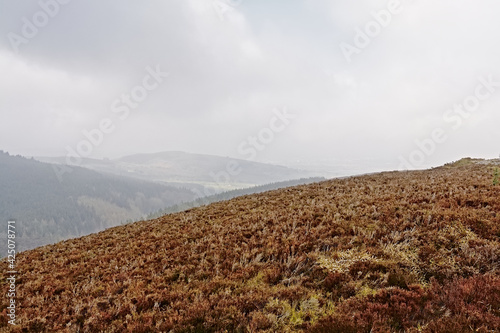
[{"x": 392, "y": 252}]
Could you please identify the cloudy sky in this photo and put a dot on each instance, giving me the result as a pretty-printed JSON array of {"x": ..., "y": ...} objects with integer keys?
[{"x": 412, "y": 83}]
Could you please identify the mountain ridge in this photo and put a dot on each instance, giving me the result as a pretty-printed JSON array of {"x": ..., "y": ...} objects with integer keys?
[{"x": 202, "y": 172}]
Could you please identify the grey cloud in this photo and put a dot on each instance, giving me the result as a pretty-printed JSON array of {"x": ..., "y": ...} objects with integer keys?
[{"x": 226, "y": 76}]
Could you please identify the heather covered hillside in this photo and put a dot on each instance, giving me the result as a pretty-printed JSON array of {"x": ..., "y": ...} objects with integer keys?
[{"x": 391, "y": 252}]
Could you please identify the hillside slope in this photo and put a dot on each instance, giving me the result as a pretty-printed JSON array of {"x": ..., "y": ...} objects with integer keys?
[
  {"x": 48, "y": 210},
  {"x": 392, "y": 252},
  {"x": 232, "y": 194}
]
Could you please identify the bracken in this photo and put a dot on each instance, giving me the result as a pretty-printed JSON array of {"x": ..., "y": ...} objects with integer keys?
[{"x": 391, "y": 252}]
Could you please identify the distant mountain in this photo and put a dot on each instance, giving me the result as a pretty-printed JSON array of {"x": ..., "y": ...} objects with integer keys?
[
  {"x": 204, "y": 173},
  {"x": 49, "y": 210}
]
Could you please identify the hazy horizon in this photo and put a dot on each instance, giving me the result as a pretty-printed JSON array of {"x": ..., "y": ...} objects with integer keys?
[{"x": 386, "y": 84}]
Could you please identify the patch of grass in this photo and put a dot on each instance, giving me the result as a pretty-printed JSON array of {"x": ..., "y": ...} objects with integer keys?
[
  {"x": 463, "y": 162},
  {"x": 496, "y": 175}
]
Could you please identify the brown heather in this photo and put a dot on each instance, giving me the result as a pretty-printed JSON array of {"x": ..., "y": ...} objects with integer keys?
[{"x": 392, "y": 252}]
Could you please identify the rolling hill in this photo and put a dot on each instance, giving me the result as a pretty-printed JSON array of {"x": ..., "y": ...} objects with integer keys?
[
  {"x": 48, "y": 210},
  {"x": 205, "y": 173},
  {"x": 414, "y": 251}
]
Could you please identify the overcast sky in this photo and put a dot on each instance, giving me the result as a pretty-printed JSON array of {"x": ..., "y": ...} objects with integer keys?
[{"x": 350, "y": 84}]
